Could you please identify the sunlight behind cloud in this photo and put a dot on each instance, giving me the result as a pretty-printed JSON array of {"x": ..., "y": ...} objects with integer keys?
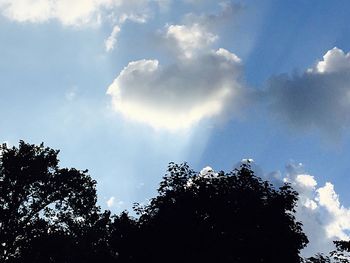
[
  {"x": 198, "y": 83},
  {"x": 177, "y": 96}
]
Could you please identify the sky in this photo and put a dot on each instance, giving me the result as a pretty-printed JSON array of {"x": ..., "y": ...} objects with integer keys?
[{"x": 123, "y": 87}]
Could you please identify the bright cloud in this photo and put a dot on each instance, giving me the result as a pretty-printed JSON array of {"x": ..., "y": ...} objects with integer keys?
[
  {"x": 208, "y": 172},
  {"x": 112, "y": 39},
  {"x": 110, "y": 201},
  {"x": 335, "y": 60},
  {"x": 189, "y": 39},
  {"x": 306, "y": 181},
  {"x": 80, "y": 13},
  {"x": 67, "y": 12},
  {"x": 179, "y": 95},
  {"x": 318, "y": 98},
  {"x": 77, "y": 12},
  {"x": 319, "y": 209},
  {"x": 200, "y": 83},
  {"x": 113, "y": 202}
]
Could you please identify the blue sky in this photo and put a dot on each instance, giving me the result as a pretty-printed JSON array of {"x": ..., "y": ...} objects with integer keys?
[{"x": 125, "y": 87}]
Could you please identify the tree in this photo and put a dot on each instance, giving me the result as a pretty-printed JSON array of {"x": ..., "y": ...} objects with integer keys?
[
  {"x": 40, "y": 201},
  {"x": 223, "y": 217},
  {"x": 318, "y": 258},
  {"x": 49, "y": 214},
  {"x": 125, "y": 239},
  {"x": 342, "y": 252},
  {"x": 340, "y": 255}
]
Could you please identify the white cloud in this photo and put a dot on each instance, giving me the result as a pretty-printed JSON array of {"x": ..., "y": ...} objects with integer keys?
[
  {"x": 335, "y": 60},
  {"x": 208, "y": 172},
  {"x": 199, "y": 83},
  {"x": 110, "y": 201},
  {"x": 189, "y": 39},
  {"x": 112, "y": 39},
  {"x": 247, "y": 161},
  {"x": 318, "y": 98},
  {"x": 77, "y": 12},
  {"x": 80, "y": 13},
  {"x": 70, "y": 13},
  {"x": 340, "y": 222},
  {"x": 113, "y": 202},
  {"x": 319, "y": 209},
  {"x": 179, "y": 95},
  {"x": 196, "y": 33},
  {"x": 306, "y": 181}
]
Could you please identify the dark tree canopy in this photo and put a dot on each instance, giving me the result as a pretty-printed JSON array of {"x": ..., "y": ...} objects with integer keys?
[
  {"x": 38, "y": 199},
  {"x": 224, "y": 217},
  {"x": 342, "y": 252},
  {"x": 49, "y": 214}
]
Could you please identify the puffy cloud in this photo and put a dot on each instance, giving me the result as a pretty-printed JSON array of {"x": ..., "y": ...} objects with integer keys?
[
  {"x": 340, "y": 220},
  {"x": 199, "y": 82},
  {"x": 179, "y": 95},
  {"x": 318, "y": 98},
  {"x": 319, "y": 209},
  {"x": 306, "y": 181},
  {"x": 335, "y": 60},
  {"x": 208, "y": 172},
  {"x": 195, "y": 34},
  {"x": 189, "y": 39}
]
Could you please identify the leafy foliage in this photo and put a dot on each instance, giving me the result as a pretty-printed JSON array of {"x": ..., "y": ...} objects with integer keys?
[
  {"x": 232, "y": 217},
  {"x": 38, "y": 199},
  {"x": 319, "y": 258},
  {"x": 49, "y": 214},
  {"x": 342, "y": 252}
]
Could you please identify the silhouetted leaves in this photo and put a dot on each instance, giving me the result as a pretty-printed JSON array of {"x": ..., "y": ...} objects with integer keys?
[
  {"x": 233, "y": 217},
  {"x": 40, "y": 202},
  {"x": 49, "y": 214},
  {"x": 318, "y": 258}
]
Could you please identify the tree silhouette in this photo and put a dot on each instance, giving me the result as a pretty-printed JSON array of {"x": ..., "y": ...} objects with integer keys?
[
  {"x": 39, "y": 200},
  {"x": 232, "y": 217},
  {"x": 342, "y": 252},
  {"x": 49, "y": 214},
  {"x": 319, "y": 258}
]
